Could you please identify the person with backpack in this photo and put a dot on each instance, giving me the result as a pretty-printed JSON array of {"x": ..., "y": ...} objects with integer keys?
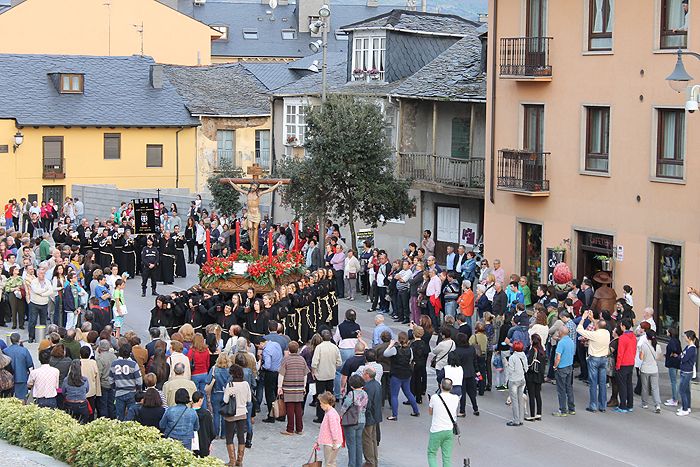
[
  {"x": 534, "y": 377},
  {"x": 401, "y": 358},
  {"x": 519, "y": 331}
]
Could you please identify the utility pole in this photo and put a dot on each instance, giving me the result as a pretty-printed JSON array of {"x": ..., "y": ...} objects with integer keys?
[{"x": 325, "y": 59}]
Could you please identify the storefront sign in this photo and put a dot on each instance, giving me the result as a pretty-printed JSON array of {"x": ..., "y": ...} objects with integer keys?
[
  {"x": 620, "y": 253},
  {"x": 554, "y": 257},
  {"x": 364, "y": 234},
  {"x": 468, "y": 234}
]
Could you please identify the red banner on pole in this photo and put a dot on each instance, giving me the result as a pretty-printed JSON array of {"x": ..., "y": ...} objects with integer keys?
[
  {"x": 269, "y": 245},
  {"x": 296, "y": 236},
  {"x": 238, "y": 234},
  {"x": 208, "y": 244}
]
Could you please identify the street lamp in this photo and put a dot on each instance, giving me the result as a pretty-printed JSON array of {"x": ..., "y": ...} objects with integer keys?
[
  {"x": 324, "y": 13},
  {"x": 19, "y": 139},
  {"x": 313, "y": 67},
  {"x": 679, "y": 79}
]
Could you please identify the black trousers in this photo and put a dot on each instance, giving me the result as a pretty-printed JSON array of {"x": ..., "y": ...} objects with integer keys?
[
  {"x": 468, "y": 389},
  {"x": 190, "y": 251},
  {"x": 321, "y": 387},
  {"x": 270, "y": 382},
  {"x": 340, "y": 283},
  {"x": 147, "y": 273},
  {"x": 534, "y": 395},
  {"x": 626, "y": 389},
  {"x": 419, "y": 380},
  {"x": 403, "y": 299}
]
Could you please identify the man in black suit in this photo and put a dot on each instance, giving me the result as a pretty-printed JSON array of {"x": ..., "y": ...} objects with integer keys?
[{"x": 460, "y": 259}]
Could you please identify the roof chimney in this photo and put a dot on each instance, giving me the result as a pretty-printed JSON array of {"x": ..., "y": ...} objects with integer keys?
[
  {"x": 156, "y": 76},
  {"x": 373, "y": 3}
]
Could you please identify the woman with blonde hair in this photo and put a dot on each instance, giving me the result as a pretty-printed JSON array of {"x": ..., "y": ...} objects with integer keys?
[
  {"x": 217, "y": 379},
  {"x": 187, "y": 333}
]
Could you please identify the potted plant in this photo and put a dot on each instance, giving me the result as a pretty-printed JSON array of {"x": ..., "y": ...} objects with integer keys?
[
  {"x": 292, "y": 140},
  {"x": 560, "y": 249},
  {"x": 373, "y": 73},
  {"x": 358, "y": 73},
  {"x": 606, "y": 262}
]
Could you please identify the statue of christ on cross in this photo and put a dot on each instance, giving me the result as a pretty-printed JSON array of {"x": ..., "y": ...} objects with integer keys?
[{"x": 253, "y": 195}]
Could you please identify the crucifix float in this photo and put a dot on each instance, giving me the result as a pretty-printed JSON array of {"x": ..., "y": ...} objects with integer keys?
[{"x": 253, "y": 195}]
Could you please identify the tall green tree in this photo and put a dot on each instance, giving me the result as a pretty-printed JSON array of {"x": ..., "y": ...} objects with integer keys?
[
  {"x": 226, "y": 200},
  {"x": 348, "y": 173}
]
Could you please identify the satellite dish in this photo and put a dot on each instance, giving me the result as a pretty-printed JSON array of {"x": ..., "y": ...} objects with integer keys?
[{"x": 273, "y": 4}]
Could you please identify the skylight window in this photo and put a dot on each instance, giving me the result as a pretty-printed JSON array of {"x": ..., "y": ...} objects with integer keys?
[
  {"x": 223, "y": 30},
  {"x": 289, "y": 34},
  {"x": 250, "y": 34}
]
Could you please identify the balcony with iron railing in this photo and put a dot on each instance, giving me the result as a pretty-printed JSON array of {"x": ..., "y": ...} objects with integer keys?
[
  {"x": 54, "y": 168},
  {"x": 525, "y": 58},
  {"x": 443, "y": 173},
  {"x": 523, "y": 172}
]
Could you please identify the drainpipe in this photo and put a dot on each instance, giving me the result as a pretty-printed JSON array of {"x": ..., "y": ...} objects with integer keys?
[
  {"x": 493, "y": 32},
  {"x": 177, "y": 157}
]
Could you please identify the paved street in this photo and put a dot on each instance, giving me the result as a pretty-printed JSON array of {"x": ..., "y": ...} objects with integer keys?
[{"x": 640, "y": 439}]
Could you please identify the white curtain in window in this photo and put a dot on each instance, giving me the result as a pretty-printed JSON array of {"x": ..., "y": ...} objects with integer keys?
[
  {"x": 668, "y": 148},
  {"x": 674, "y": 14},
  {"x": 611, "y": 16},
  {"x": 598, "y": 16},
  {"x": 595, "y": 132}
]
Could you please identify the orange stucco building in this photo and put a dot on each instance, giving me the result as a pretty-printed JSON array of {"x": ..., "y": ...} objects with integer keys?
[{"x": 589, "y": 148}]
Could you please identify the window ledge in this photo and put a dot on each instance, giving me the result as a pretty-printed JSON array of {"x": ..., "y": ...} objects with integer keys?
[
  {"x": 673, "y": 181},
  {"x": 594, "y": 174},
  {"x": 598, "y": 52},
  {"x": 668, "y": 51}
]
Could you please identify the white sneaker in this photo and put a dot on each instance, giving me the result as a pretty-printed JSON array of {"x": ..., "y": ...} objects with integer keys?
[
  {"x": 645, "y": 406},
  {"x": 368, "y": 300},
  {"x": 671, "y": 403},
  {"x": 683, "y": 413}
]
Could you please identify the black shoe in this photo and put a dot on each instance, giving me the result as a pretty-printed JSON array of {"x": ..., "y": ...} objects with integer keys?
[
  {"x": 22, "y": 328},
  {"x": 143, "y": 294},
  {"x": 14, "y": 327},
  {"x": 269, "y": 420},
  {"x": 405, "y": 321},
  {"x": 316, "y": 420},
  {"x": 312, "y": 404},
  {"x": 281, "y": 419},
  {"x": 249, "y": 440},
  {"x": 476, "y": 412},
  {"x": 154, "y": 293},
  {"x": 415, "y": 415},
  {"x": 406, "y": 403},
  {"x": 419, "y": 400}
]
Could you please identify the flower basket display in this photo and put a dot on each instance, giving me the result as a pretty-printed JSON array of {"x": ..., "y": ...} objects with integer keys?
[
  {"x": 606, "y": 263},
  {"x": 240, "y": 270},
  {"x": 292, "y": 140},
  {"x": 373, "y": 73},
  {"x": 358, "y": 73}
]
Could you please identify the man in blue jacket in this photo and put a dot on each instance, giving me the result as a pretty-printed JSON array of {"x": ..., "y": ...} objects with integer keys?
[{"x": 21, "y": 364}]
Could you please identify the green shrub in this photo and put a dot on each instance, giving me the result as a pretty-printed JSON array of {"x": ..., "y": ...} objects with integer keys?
[{"x": 101, "y": 443}]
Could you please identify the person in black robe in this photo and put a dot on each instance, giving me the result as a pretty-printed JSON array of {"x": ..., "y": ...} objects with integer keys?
[
  {"x": 225, "y": 320},
  {"x": 180, "y": 265},
  {"x": 106, "y": 257},
  {"x": 139, "y": 243},
  {"x": 118, "y": 247},
  {"x": 167, "y": 259},
  {"x": 256, "y": 322},
  {"x": 128, "y": 256},
  {"x": 161, "y": 313},
  {"x": 190, "y": 239}
]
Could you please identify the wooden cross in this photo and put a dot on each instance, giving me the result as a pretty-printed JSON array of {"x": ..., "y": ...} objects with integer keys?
[{"x": 255, "y": 171}]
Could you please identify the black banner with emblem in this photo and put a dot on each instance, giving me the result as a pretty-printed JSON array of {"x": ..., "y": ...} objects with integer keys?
[{"x": 146, "y": 216}]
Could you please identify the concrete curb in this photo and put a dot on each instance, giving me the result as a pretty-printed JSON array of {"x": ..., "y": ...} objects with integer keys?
[{"x": 15, "y": 455}]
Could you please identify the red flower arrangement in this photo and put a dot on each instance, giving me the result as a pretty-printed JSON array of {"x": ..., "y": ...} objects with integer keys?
[{"x": 262, "y": 271}]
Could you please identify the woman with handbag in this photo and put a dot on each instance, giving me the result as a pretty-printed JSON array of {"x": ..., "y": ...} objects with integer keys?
[
  {"x": 180, "y": 422},
  {"x": 236, "y": 397},
  {"x": 14, "y": 286},
  {"x": 330, "y": 435},
  {"x": 352, "y": 413},
  {"x": 291, "y": 386},
  {"x": 534, "y": 377},
  {"x": 217, "y": 379},
  {"x": 75, "y": 389},
  {"x": 401, "y": 357}
]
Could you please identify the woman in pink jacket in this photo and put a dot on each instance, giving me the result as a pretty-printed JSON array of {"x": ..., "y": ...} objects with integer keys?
[{"x": 330, "y": 436}]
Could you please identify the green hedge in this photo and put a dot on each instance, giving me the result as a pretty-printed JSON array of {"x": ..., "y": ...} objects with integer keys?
[{"x": 100, "y": 443}]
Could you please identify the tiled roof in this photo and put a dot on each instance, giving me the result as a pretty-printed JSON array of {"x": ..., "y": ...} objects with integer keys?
[
  {"x": 455, "y": 74},
  {"x": 117, "y": 92},
  {"x": 239, "y": 16},
  {"x": 416, "y": 21},
  {"x": 220, "y": 90}
]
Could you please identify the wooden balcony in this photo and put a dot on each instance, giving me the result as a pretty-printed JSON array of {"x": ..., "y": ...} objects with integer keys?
[
  {"x": 525, "y": 59},
  {"x": 54, "y": 168},
  {"x": 443, "y": 174},
  {"x": 523, "y": 172}
]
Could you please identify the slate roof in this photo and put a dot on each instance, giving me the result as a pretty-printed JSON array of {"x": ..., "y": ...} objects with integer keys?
[
  {"x": 117, "y": 92},
  {"x": 454, "y": 75},
  {"x": 239, "y": 15},
  {"x": 417, "y": 22},
  {"x": 272, "y": 75},
  {"x": 220, "y": 90}
]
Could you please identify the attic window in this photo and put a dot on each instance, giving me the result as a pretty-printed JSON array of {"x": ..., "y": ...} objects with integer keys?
[
  {"x": 341, "y": 35},
  {"x": 223, "y": 30},
  {"x": 289, "y": 34},
  {"x": 71, "y": 83},
  {"x": 250, "y": 34}
]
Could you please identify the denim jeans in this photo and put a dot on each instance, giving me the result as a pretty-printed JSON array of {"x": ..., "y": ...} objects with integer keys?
[
  {"x": 122, "y": 404},
  {"x": 684, "y": 389},
  {"x": 405, "y": 386},
  {"x": 383, "y": 304},
  {"x": 46, "y": 402},
  {"x": 353, "y": 439},
  {"x": 673, "y": 375},
  {"x": 249, "y": 418},
  {"x": 217, "y": 401},
  {"x": 565, "y": 389},
  {"x": 200, "y": 381},
  {"x": 21, "y": 390},
  {"x": 105, "y": 404},
  {"x": 345, "y": 354},
  {"x": 36, "y": 311},
  {"x": 450, "y": 307},
  {"x": 597, "y": 391}
]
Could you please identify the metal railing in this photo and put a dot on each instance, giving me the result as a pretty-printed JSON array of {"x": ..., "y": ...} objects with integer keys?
[
  {"x": 521, "y": 170},
  {"x": 54, "y": 167},
  {"x": 525, "y": 57},
  {"x": 465, "y": 173}
]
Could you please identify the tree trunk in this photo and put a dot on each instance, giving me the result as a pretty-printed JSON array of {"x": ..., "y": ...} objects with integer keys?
[{"x": 353, "y": 239}]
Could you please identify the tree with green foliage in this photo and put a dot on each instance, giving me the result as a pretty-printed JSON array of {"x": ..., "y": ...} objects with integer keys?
[
  {"x": 348, "y": 173},
  {"x": 226, "y": 200}
]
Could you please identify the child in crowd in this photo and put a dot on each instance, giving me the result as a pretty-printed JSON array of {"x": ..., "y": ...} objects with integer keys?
[{"x": 119, "y": 306}]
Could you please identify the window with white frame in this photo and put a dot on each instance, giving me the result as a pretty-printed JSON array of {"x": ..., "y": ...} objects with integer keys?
[
  {"x": 294, "y": 122},
  {"x": 369, "y": 53}
]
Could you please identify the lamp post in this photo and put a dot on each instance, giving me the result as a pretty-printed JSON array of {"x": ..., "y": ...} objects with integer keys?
[
  {"x": 324, "y": 13},
  {"x": 679, "y": 78},
  {"x": 18, "y": 140}
]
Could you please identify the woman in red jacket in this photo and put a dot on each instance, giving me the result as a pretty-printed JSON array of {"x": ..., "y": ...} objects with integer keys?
[
  {"x": 199, "y": 356},
  {"x": 624, "y": 365}
]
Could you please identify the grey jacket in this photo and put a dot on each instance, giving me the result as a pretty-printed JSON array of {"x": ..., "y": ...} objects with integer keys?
[{"x": 517, "y": 367}]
